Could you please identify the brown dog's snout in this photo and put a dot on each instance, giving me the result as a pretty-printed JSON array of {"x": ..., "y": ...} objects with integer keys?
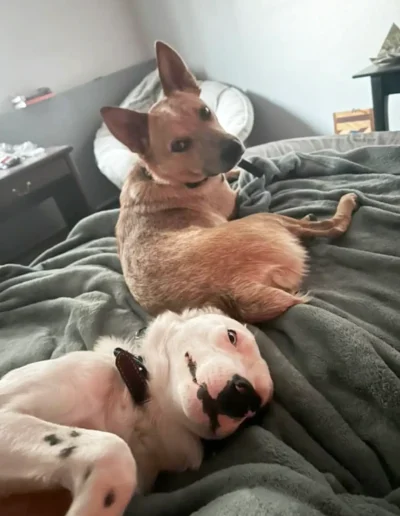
[
  {"x": 232, "y": 150},
  {"x": 238, "y": 398}
]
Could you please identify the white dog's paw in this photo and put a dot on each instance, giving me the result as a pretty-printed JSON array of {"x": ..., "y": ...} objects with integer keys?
[{"x": 103, "y": 474}]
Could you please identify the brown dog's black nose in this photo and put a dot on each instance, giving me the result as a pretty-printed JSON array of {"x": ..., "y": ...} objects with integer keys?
[
  {"x": 231, "y": 151},
  {"x": 238, "y": 398}
]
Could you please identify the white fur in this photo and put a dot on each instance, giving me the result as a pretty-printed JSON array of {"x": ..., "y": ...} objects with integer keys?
[{"x": 121, "y": 447}]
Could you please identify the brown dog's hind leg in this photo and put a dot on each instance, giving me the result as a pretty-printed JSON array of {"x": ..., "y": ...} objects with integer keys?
[
  {"x": 333, "y": 227},
  {"x": 256, "y": 302}
]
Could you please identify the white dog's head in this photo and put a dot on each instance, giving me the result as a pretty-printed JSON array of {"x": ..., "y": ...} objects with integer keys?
[{"x": 207, "y": 369}]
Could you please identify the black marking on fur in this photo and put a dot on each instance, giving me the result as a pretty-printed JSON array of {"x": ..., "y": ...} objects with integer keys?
[
  {"x": 66, "y": 452},
  {"x": 109, "y": 499},
  {"x": 192, "y": 365},
  {"x": 210, "y": 406},
  {"x": 74, "y": 433},
  {"x": 52, "y": 439},
  {"x": 87, "y": 474}
]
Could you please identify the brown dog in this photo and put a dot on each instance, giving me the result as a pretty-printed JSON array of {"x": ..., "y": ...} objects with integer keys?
[{"x": 179, "y": 247}]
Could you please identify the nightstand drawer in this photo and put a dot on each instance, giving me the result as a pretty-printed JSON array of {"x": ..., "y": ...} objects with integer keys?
[{"x": 28, "y": 180}]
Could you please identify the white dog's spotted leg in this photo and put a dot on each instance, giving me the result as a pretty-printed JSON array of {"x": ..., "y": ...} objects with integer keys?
[
  {"x": 97, "y": 467},
  {"x": 103, "y": 473}
]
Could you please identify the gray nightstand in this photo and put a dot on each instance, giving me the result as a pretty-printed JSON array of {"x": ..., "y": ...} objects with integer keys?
[
  {"x": 24, "y": 186},
  {"x": 51, "y": 175},
  {"x": 385, "y": 81}
]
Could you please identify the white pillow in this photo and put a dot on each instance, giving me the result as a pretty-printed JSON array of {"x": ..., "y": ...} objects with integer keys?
[{"x": 232, "y": 107}]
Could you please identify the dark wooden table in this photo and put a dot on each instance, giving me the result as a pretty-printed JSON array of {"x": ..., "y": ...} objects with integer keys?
[
  {"x": 52, "y": 174},
  {"x": 385, "y": 81}
]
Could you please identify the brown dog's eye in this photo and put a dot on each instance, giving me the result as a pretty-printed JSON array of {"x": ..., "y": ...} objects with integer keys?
[
  {"x": 205, "y": 113},
  {"x": 181, "y": 145},
  {"x": 232, "y": 336}
]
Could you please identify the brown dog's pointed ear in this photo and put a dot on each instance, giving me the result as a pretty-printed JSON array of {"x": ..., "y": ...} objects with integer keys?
[
  {"x": 174, "y": 74},
  {"x": 129, "y": 127}
]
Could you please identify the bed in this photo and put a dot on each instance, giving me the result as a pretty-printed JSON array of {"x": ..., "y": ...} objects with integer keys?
[{"x": 329, "y": 443}]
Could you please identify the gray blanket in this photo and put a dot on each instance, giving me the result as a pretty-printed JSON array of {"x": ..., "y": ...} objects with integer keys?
[{"x": 330, "y": 442}]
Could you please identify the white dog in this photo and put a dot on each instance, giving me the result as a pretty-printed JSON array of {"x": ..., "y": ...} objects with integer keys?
[{"x": 103, "y": 424}]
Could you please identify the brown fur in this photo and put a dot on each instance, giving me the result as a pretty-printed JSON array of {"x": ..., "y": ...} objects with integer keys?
[{"x": 178, "y": 246}]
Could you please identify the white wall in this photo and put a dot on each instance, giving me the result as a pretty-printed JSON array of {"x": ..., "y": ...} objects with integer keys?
[
  {"x": 296, "y": 57},
  {"x": 64, "y": 43}
]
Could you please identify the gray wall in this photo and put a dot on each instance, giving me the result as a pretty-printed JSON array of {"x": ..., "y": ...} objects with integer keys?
[
  {"x": 63, "y": 43},
  {"x": 294, "y": 58},
  {"x": 70, "y": 118}
]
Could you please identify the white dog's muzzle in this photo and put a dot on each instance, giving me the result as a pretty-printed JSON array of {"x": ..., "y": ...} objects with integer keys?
[{"x": 237, "y": 400}]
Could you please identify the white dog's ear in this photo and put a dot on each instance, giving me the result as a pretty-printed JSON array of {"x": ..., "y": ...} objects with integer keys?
[
  {"x": 165, "y": 324},
  {"x": 167, "y": 319},
  {"x": 161, "y": 327},
  {"x": 195, "y": 312}
]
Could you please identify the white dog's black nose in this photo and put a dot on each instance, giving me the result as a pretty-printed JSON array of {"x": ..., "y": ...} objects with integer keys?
[{"x": 238, "y": 398}]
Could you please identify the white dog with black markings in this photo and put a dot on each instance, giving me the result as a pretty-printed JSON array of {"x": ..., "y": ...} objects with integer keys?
[{"x": 103, "y": 424}]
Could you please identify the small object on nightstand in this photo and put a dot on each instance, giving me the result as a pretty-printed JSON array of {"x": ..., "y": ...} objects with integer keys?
[
  {"x": 8, "y": 160},
  {"x": 11, "y": 155},
  {"x": 51, "y": 174},
  {"x": 390, "y": 49}
]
